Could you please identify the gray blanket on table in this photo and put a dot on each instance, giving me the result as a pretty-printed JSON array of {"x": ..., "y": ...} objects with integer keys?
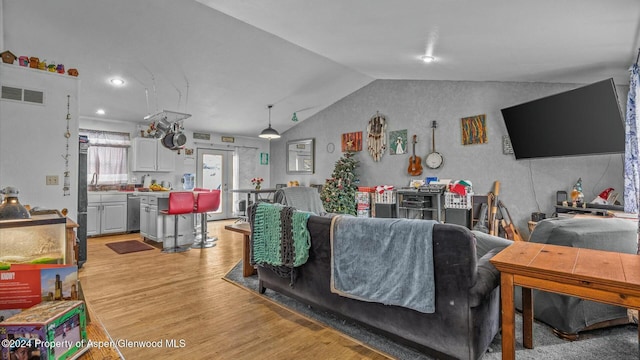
[
  {"x": 300, "y": 197},
  {"x": 389, "y": 261}
]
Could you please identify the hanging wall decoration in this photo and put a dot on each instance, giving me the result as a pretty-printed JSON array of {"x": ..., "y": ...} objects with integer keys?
[
  {"x": 264, "y": 158},
  {"x": 352, "y": 141},
  {"x": 67, "y": 182},
  {"x": 398, "y": 141},
  {"x": 376, "y": 138},
  {"x": 474, "y": 130}
]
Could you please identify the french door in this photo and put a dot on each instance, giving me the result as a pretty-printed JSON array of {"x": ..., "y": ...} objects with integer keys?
[{"x": 215, "y": 171}]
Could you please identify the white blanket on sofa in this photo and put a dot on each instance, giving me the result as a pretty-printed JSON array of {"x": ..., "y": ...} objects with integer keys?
[{"x": 384, "y": 260}]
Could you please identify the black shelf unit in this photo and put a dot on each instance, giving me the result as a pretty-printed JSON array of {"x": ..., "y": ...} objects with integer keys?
[{"x": 426, "y": 205}]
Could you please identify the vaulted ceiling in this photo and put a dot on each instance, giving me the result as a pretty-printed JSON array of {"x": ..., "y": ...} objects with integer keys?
[{"x": 224, "y": 61}]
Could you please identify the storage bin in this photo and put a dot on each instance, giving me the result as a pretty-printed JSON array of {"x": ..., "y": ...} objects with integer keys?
[{"x": 456, "y": 201}]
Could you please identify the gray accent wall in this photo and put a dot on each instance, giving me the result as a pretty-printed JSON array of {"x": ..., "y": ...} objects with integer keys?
[{"x": 526, "y": 185}]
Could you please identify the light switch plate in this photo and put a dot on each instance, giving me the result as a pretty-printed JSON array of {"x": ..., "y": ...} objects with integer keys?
[{"x": 52, "y": 179}]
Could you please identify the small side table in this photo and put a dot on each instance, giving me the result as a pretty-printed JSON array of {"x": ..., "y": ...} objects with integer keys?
[
  {"x": 603, "y": 276},
  {"x": 244, "y": 229}
]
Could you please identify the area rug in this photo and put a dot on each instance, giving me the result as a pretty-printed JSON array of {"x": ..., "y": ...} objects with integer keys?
[
  {"x": 615, "y": 343},
  {"x": 129, "y": 246}
]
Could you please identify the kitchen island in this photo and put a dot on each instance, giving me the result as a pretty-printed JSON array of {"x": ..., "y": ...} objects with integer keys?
[{"x": 155, "y": 227}]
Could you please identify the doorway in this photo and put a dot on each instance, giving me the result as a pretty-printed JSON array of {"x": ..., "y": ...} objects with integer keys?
[{"x": 215, "y": 171}]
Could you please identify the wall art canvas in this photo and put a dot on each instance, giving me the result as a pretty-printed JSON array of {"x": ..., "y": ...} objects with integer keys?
[
  {"x": 352, "y": 141},
  {"x": 398, "y": 141},
  {"x": 264, "y": 158},
  {"x": 474, "y": 130}
]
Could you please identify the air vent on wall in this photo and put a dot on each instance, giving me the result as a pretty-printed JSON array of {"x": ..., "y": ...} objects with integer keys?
[
  {"x": 33, "y": 96},
  {"x": 25, "y": 95},
  {"x": 11, "y": 93}
]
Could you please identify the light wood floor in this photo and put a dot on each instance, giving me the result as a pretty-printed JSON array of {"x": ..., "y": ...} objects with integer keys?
[{"x": 152, "y": 296}]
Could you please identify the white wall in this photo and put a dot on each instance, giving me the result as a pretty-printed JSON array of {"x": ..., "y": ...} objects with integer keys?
[
  {"x": 526, "y": 184},
  {"x": 32, "y": 141}
]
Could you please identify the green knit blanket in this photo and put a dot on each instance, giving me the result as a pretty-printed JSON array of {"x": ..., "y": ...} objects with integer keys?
[{"x": 279, "y": 236}]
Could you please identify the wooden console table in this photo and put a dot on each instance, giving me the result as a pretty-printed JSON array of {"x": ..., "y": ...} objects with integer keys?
[
  {"x": 602, "y": 276},
  {"x": 245, "y": 229}
]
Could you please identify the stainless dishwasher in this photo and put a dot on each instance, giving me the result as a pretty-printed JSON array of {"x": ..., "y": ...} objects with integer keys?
[{"x": 133, "y": 213}]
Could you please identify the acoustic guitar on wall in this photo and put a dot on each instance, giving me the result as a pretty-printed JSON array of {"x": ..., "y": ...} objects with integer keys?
[{"x": 415, "y": 162}]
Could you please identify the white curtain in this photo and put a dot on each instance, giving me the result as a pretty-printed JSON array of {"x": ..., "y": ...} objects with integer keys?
[
  {"x": 107, "y": 157},
  {"x": 631, "y": 165},
  {"x": 248, "y": 166},
  {"x": 108, "y": 163}
]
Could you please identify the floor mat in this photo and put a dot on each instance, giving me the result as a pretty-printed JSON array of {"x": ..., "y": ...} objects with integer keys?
[{"x": 129, "y": 246}]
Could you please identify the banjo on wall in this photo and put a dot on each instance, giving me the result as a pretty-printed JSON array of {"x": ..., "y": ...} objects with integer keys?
[{"x": 434, "y": 159}]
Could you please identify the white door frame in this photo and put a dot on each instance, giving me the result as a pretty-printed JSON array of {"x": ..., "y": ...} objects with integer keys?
[{"x": 225, "y": 211}]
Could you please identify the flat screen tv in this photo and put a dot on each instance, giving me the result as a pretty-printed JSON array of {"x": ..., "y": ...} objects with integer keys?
[{"x": 583, "y": 121}]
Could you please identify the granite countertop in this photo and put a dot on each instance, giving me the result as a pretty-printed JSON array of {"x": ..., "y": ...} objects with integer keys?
[
  {"x": 98, "y": 192},
  {"x": 159, "y": 193},
  {"x": 137, "y": 193}
]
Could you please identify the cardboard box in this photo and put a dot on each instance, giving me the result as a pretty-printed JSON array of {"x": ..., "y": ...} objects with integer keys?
[
  {"x": 25, "y": 285},
  {"x": 51, "y": 330}
]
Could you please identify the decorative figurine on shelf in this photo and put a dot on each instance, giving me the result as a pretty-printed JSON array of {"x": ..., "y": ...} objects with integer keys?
[
  {"x": 8, "y": 57},
  {"x": 256, "y": 181},
  {"x": 51, "y": 67},
  {"x": 577, "y": 197},
  {"x": 60, "y": 69},
  {"x": 23, "y": 61},
  {"x": 42, "y": 65},
  {"x": 33, "y": 62},
  {"x": 604, "y": 196},
  {"x": 72, "y": 72}
]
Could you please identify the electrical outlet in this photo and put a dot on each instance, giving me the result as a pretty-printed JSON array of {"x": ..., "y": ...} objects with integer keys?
[{"x": 52, "y": 179}]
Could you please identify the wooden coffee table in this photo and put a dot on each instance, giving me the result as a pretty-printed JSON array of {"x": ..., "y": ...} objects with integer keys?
[
  {"x": 245, "y": 229},
  {"x": 602, "y": 276}
]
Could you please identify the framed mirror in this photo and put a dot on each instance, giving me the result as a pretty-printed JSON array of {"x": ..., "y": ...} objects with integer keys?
[{"x": 301, "y": 156}]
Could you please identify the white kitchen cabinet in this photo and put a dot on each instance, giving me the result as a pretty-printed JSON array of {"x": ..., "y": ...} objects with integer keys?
[
  {"x": 149, "y": 217},
  {"x": 166, "y": 159},
  {"x": 106, "y": 214},
  {"x": 150, "y": 155},
  {"x": 93, "y": 219}
]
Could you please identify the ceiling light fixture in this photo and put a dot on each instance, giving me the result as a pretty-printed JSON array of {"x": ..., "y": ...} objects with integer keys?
[
  {"x": 100, "y": 112},
  {"x": 117, "y": 81},
  {"x": 269, "y": 133},
  {"x": 427, "y": 58}
]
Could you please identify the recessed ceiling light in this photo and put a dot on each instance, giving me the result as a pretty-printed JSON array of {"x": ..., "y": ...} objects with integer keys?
[
  {"x": 100, "y": 112},
  {"x": 427, "y": 58},
  {"x": 117, "y": 81}
]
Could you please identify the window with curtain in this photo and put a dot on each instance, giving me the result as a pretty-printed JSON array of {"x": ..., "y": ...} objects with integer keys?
[{"x": 107, "y": 157}]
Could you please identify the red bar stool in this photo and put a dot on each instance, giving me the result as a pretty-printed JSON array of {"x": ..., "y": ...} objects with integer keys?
[
  {"x": 180, "y": 203},
  {"x": 206, "y": 201}
]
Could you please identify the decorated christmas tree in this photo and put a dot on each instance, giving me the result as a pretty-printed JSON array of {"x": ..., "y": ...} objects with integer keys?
[{"x": 339, "y": 192}]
